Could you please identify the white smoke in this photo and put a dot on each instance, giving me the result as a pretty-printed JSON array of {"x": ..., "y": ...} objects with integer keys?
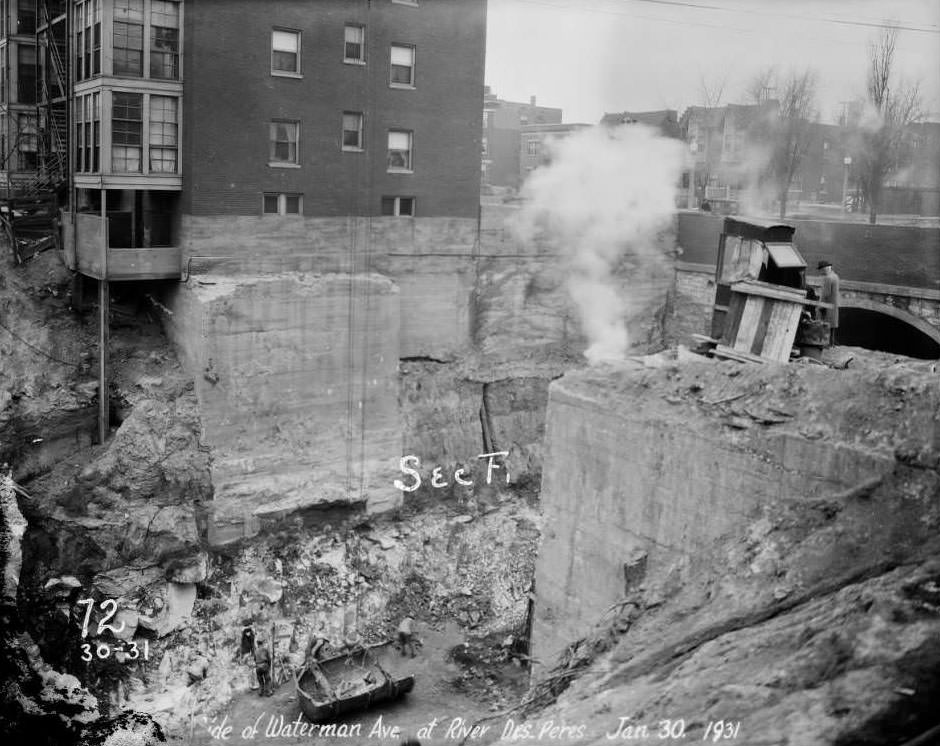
[{"x": 603, "y": 198}]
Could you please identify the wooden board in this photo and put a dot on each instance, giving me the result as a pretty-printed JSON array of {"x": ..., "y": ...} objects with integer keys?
[
  {"x": 781, "y": 331},
  {"x": 733, "y": 318},
  {"x": 746, "y": 336},
  {"x": 743, "y": 357},
  {"x": 769, "y": 290}
]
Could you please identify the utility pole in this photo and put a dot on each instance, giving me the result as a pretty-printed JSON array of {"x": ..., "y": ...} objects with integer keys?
[
  {"x": 846, "y": 162},
  {"x": 104, "y": 303}
]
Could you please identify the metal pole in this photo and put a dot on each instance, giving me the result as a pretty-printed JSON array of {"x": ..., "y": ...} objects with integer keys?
[{"x": 103, "y": 313}]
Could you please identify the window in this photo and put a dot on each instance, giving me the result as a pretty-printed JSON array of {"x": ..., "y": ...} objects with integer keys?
[
  {"x": 282, "y": 204},
  {"x": 399, "y": 150},
  {"x": 354, "y": 49},
  {"x": 285, "y": 142},
  {"x": 87, "y": 39},
  {"x": 164, "y": 40},
  {"x": 88, "y": 133},
  {"x": 285, "y": 52},
  {"x": 403, "y": 66},
  {"x": 398, "y": 206},
  {"x": 27, "y": 143},
  {"x": 126, "y": 132},
  {"x": 26, "y": 80},
  {"x": 352, "y": 130},
  {"x": 163, "y": 134},
  {"x": 532, "y": 147},
  {"x": 26, "y": 17},
  {"x": 128, "y": 38},
  {"x": 413, "y": 3}
]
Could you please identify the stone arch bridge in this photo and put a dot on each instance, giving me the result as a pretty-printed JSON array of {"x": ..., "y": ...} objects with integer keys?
[{"x": 890, "y": 279}]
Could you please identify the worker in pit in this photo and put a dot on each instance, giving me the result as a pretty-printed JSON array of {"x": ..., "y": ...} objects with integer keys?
[
  {"x": 406, "y": 636},
  {"x": 247, "y": 649},
  {"x": 829, "y": 293},
  {"x": 316, "y": 646},
  {"x": 263, "y": 666}
]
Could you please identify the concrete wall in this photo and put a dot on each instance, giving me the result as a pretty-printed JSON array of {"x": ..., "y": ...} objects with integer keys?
[
  {"x": 231, "y": 96},
  {"x": 430, "y": 259},
  {"x": 889, "y": 254},
  {"x": 298, "y": 391},
  {"x": 635, "y": 461}
]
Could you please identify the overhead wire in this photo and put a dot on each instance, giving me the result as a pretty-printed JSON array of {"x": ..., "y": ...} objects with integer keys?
[{"x": 746, "y": 10}]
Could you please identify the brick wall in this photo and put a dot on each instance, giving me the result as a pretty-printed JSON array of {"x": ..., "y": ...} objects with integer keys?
[
  {"x": 231, "y": 96},
  {"x": 890, "y": 254}
]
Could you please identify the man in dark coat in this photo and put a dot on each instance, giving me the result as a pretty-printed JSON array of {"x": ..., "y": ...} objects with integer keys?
[
  {"x": 263, "y": 666},
  {"x": 829, "y": 293}
]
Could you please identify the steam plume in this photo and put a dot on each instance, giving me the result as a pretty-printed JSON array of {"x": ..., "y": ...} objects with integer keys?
[{"x": 602, "y": 200}]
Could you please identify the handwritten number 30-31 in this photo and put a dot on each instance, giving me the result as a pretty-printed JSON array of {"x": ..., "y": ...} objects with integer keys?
[{"x": 110, "y": 607}]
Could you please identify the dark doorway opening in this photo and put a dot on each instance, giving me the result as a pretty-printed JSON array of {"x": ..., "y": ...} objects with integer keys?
[{"x": 861, "y": 327}]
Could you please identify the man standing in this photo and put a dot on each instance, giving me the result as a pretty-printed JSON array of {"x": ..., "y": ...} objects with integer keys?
[
  {"x": 829, "y": 293},
  {"x": 406, "y": 635},
  {"x": 263, "y": 666}
]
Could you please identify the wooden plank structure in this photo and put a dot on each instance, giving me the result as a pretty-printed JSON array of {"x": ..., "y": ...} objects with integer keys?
[
  {"x": 760, "y": 291},
  {"x": 762, "y": 321}
]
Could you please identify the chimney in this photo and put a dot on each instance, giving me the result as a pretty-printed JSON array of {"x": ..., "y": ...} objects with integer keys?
[{"x": 531, "y": 100}]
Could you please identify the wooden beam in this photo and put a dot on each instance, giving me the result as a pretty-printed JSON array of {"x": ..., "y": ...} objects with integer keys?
[
  {"x": 743, "y": 357},
  {"x": 768, "y": 290}
]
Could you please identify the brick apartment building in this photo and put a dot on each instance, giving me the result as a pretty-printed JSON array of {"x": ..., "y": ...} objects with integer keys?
[
  {"x": 503, "y": 123},
  {"x": 175, "y": 110}
]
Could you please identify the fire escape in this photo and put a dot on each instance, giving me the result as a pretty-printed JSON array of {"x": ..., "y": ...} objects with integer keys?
[
  {"x": 29, "y": 216},
  {"x": 52, "y": 95}
]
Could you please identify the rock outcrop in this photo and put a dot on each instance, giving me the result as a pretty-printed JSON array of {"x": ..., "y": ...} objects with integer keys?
[{"x": 754, "y": 544}]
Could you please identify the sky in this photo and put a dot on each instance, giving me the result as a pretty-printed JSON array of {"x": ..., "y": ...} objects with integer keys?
[{"x": 589, "y": 57}]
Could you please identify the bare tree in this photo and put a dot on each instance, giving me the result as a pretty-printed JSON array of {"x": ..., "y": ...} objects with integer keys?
[
  {"x": 788, "y": 130},
  {"x": 712, "y": 91},
  {"x": 879, "y": 138},
  {"x": 762, "y": 85}
]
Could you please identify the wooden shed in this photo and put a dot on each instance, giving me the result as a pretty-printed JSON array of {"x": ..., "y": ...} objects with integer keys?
[{"x": 760, "y": 291}]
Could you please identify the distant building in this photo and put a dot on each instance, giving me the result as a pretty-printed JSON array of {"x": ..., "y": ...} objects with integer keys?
[
  {"x": 503, "y": 122},
  {"x": 730, "y": 146},
  {"x": 534, "y": 144},
  {"x": 914, "y": 188},
  {"x": 725, "y": 144},
  {"x": 666, "y": 120}
]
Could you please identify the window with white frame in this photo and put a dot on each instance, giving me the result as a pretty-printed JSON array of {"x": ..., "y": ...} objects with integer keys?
[
  {"x": 284, "y": 142},
  {"x": 352, "y": 130},
  {"x": 398, "y": 206},
  {"x": 275, "y": 203},
  {"x": 129, "y": 38},
  {"x": 88, "y": 133},
  {"x": 126, "y": 132},
  {"x": 400, "y": 143},
  {"x": 354, "y": 46},
  {"x": 87, "y": 39},
  {"x": 285, "y": 52},
  {"x": 164, "y": 134},
  {"x": 164, "y": 39},
  {"x": 402, "y": 66}
]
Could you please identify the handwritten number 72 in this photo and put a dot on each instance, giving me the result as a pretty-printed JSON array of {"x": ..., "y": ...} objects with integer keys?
[{"x": 110, "y": 607}]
